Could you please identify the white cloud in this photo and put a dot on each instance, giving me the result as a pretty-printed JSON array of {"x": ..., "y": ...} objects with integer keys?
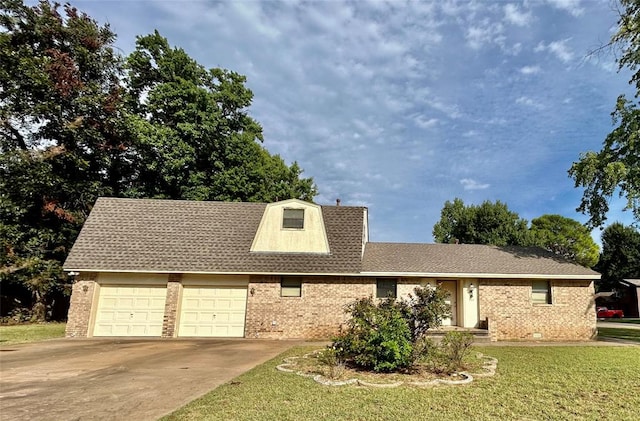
[
  {"x": 425, "y": 123},
  {"x": 571, "y": 6},
  {"x": 558, "y": 48},
  {"x": 530, "y": 70},
  {"x": 486, "y": 32},
  {"x": 529, "y": 102},
  {"x": 515, "y": 16},
  {"x": 470, "y": 184}
]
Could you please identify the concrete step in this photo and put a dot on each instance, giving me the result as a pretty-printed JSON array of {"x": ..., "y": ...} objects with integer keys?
[{"x": 479, "y": 335}]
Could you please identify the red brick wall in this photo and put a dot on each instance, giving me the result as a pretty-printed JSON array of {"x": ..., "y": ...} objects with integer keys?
[
  {"x": 317, "y": 314},
  {"x": 80, "y": 306},
  {"x": 512, "y": 316}
]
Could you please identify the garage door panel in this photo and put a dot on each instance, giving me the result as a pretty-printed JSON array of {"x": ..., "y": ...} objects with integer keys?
[
  {"x": 213, "y": 311},
  {"x": 130, "y": 311}
]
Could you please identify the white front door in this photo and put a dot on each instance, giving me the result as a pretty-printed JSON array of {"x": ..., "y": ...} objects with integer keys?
[
  {"x": 450, "y": 288},
  {"x": 213, "y": 311}
]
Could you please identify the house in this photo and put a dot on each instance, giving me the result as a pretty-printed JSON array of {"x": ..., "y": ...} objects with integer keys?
[
  {"x": 630, "y": 297},
  {"x": 168, "y": 268}
]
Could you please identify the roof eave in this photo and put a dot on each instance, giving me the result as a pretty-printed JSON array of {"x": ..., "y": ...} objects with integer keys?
[{"x": 484, "y": 275}]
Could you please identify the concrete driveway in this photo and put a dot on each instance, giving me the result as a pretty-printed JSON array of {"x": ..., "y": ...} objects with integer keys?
[{"x": 91, "y": 379}]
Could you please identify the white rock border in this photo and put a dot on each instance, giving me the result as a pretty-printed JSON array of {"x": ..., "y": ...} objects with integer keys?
[{"x": 489, "y": 366}]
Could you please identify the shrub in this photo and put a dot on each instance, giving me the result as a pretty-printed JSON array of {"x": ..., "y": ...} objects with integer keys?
[
  {"x": 378, "y": 336},
  {"x": 455, "y": 346},
  {"x": 425, "y": 309},
  {"x": 330, "y": 357}
]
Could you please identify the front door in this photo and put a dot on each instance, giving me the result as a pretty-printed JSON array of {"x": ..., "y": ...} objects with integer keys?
[{"x": 451, "y": 288}]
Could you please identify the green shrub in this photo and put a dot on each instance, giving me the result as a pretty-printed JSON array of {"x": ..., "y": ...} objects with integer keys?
[
  {"x": 455, "y": 346},
  {"x": 378, "y": 336},
  {"x": 330, "y": 358},
  {"x": 425, "y": 309}
]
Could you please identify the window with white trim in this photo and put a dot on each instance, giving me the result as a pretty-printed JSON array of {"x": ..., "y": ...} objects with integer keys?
[
  {"x": 541, "y": 292},
  {"x": 386, "y": 288},
  {"x": 293, "y": 219},
  {"x": 291, "y": 286}
]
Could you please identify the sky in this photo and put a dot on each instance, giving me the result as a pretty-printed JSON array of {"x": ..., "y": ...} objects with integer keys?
[{"x": 401, "y": 106}]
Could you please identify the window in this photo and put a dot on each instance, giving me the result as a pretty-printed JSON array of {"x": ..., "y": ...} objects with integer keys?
[
  {"x": 541, "y": 292},
  {"x": 293, "y": 218},
  {"x": 291, "y": 286},
  {"x": 386, "y": 288}
]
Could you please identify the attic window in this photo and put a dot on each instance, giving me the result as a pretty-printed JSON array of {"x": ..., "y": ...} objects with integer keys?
[{"x": 293, "y": 218}]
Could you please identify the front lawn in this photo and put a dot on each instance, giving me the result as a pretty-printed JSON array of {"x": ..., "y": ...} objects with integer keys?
[
  {"x": 632, "y": 321},
  {"x": 551, "y": 382},
  {"x": 619, "y": 333},
  {"x": 30, "y": 332}
]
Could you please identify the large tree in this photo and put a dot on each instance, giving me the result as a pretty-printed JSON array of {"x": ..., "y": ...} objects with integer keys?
[
  {"x": 620, "y": 258},
  {"x": 194, "y": 136},
  {"x": 616, "y": 167},
  {"x": 487, "y": 223},
  {"x": 61, "y": 137},
  {"x": 78, "y": 122},
  {"x": 565, "y": 237}
]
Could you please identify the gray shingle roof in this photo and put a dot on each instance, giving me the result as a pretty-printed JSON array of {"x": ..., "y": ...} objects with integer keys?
[
  {"x": 191, "y": 236},
  {"x": 150, "y": 235},
  {"x": 466, "y": 259}
]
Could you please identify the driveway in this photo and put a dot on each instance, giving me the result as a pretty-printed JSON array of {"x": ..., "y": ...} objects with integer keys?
[
  {"x": 91, "y": 379},
  {"x": 604, "y": 323}
]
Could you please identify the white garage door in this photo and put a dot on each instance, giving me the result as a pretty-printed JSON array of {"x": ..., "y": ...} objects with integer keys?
[
  {"x": 130, "y": 310},
  {"x": 213, "y": 311}
]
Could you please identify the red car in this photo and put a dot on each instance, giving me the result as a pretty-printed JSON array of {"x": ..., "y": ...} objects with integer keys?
[{"x": 605, "y": 313}]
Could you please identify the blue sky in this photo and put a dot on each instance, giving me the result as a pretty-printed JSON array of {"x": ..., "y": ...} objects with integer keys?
[{"x": 401, "y": 106}]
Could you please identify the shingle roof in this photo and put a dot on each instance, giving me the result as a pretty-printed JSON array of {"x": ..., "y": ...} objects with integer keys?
[
  {"x": 480, "y": 260},
  {"x": 192, "y": 236}
]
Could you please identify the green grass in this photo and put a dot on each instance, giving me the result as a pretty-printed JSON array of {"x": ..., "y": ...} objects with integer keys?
[
  {"x": 619, "y": 333},
  {"x": 632, "y": 321},
  {"x": 30, "y": 333},
  {"x": 554, "y": 382}
]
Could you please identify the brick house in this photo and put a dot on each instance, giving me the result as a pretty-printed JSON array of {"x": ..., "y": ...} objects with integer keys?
[{"x": 168, "y": 268}]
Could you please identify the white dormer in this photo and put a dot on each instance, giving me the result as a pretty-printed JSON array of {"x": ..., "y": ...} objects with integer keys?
[{"x": 291, "y": 226}]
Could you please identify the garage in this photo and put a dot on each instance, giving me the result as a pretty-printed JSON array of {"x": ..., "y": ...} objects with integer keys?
[
  {"x": 130, "y": 310},
  {"x": 213, "y": 311}
]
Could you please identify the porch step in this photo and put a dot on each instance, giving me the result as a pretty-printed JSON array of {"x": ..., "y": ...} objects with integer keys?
[{"x": 479, "y": 335}]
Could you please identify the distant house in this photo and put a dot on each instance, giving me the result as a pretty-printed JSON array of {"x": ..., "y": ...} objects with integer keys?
[
  {"x": 168, "y": 268},
  {"x": 630, "y": 297}
]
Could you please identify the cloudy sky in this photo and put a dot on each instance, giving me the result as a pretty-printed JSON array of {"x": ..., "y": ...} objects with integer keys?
[{"x": 401, "y": 106}]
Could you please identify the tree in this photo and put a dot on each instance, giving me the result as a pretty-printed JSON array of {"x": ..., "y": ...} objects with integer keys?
[
  {"x": 565, "y": 237},
  {"x": 616, "y": 168},
  {"x": 61, "y": 137},
  {"x": 75, "y": 124},
  {"x": 488, "y": 223},
  {"x": 620, "y": 258},
  {"x": 195, "y": 139}
]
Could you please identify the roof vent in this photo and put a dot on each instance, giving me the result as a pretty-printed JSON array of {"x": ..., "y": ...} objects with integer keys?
[{"x": 337, "y": 202}]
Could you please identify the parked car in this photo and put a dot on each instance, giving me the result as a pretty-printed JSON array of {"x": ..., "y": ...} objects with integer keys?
[{"x": 605, "y": 313}]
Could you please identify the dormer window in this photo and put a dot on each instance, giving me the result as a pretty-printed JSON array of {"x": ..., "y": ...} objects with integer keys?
[{"x": 293, "y": 219}]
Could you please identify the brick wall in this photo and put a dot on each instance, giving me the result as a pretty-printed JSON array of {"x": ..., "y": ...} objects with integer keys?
[
  {"x": 317, "y": 314},
  {"x": 511, "y": 315},
  {"x": 80, "y": 306},
  {"x": 171, "y": 306}
]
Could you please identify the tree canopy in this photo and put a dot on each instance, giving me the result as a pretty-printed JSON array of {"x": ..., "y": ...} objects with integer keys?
[
  {"x": 616, "y": 167},
  {"x": 565, "y": 237},
  {"x": 78, "y": 121},
  {"x": 494, "y": 224},
  {"x": 488, "y": 223},
  {"x": 620, "y": 258}
]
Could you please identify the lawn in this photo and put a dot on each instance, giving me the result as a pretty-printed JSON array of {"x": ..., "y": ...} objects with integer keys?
[
  {"x": 619, "y": 333},
  {"x": 563, "y": 383},
  {"x": 632, "y": 321},
  {"x": 30, "y": 332}
]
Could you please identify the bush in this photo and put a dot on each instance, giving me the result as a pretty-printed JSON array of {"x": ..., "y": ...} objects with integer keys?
[
  {"x": 425, "y": 309},
  {"x": 330, "y": 358},
  {"x": 378, "y": 336},
  {"x": 455, "y": 346}
]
